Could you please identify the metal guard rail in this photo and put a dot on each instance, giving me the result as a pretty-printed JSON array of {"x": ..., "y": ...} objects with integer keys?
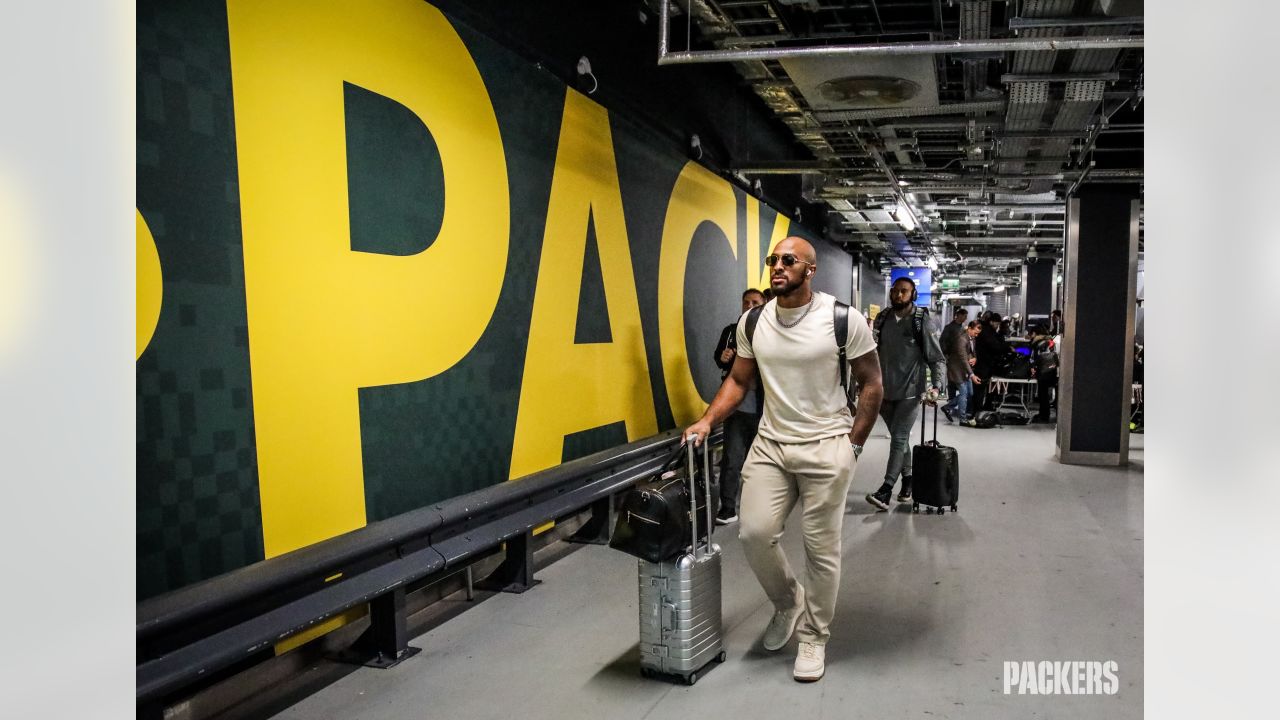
[{"x": 195, "y": 631}]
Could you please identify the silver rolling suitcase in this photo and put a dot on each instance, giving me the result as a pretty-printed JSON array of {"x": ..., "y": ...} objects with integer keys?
[{"x": 680, "y": 633}]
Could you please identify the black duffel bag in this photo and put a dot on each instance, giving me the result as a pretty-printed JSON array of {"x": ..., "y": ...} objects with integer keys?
[
  {"x": 653, "y": 521},
  {"x": 986, "y": 419}
]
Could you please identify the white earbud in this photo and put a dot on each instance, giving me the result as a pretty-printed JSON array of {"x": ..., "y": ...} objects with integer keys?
[{"x": 807, "y": 273}]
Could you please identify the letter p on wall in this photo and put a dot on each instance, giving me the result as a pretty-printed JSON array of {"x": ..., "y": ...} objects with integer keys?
[{"x": 324, "y": 320}]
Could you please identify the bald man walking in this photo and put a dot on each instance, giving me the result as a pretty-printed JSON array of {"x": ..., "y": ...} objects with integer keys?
[{"x": 806, "y": 448}]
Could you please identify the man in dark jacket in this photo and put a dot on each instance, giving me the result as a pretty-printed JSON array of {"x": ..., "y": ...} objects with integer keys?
[
  {"x": 740, "y": 427},
  {"x": 991, "y": 351}
]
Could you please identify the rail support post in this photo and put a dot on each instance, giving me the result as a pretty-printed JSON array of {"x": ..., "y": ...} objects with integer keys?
[
  {"x": 515, "y": 574},
  {"x": 386, "y": 643},
  {"x": 595, "y": 531}
]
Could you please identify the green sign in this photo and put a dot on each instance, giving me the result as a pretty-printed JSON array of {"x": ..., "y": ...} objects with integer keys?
[{"x": 950, "y": 283}]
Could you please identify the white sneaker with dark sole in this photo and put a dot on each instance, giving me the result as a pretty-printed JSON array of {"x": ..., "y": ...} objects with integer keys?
[{"x": 726, "y": 520}]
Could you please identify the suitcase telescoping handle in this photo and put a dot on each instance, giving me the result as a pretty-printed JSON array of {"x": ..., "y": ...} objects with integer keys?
[
  {"x": 693, "y": 491},
  {"x": 935, "y": 423}
]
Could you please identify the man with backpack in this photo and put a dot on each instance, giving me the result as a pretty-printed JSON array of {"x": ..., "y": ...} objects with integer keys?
[
  {"x": 1044, "y": 366},
  {"x": 907, "y": 345},
  {"x": 802, "y": 343}
]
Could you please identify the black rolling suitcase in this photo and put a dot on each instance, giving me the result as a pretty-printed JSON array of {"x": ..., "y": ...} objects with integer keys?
[{"x": 935, "y": 480}]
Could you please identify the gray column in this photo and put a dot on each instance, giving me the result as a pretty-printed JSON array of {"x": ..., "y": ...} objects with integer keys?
[{"x": 1097, "y": 353}]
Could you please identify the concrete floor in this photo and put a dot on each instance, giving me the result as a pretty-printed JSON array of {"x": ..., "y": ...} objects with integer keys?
[{"x": 1043, "y": 562}]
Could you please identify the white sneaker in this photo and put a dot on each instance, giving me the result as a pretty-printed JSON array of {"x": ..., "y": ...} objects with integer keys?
[
  {"x": 811, "y": 662},
  {"x": 783, "y": 624}
]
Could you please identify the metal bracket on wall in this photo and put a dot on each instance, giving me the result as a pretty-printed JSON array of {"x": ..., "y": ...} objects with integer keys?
[{"x": 515, "y": 574}]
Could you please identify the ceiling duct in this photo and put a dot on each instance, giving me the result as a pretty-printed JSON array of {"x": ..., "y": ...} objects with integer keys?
[{"x": 865, "y": 83}]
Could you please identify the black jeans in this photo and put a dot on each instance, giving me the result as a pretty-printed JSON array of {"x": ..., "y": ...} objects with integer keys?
[
  {"x": 979, "y": 400},
  {"x": 739, "y": 432},
  {"x": 1046, "y": 385}
]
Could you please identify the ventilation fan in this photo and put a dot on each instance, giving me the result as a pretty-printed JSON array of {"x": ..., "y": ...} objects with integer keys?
[
  {"x": 877, "y": 90},
  {"x": 865, "y": 83}
]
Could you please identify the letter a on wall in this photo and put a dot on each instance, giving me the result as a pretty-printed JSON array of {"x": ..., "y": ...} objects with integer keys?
[
  {"x": 325, "y": 320},
  {"x": 570, "y": 387}
]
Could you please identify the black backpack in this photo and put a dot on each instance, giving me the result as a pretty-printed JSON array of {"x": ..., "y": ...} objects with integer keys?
[
  {"x": 840, "y": 317},
  {"x": 917, "y": 325}
]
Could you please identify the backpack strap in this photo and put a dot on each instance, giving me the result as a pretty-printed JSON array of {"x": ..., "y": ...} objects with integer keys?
[
  {"x": 840, "y": 316},
  {"x": 917, "y": 325},
  {"x": 753, "y": 317}
]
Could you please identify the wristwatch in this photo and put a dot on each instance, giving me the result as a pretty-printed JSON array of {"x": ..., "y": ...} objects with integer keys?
[{"x": 857, "y": 449}]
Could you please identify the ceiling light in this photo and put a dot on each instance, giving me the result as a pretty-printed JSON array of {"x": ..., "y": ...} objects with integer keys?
[
  {"x": 932, "y": 263},
  {"x": 998, "y": 288},
  {"x": 903, "y": 183},
  {"x": 904, "y": 218}
]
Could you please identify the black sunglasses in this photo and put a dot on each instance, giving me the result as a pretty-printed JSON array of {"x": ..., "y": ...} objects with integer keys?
[{"x": 787, "y": 260}]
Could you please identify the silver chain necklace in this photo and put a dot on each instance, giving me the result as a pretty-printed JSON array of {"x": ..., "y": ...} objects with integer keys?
[{"x": 778, "y": 314}]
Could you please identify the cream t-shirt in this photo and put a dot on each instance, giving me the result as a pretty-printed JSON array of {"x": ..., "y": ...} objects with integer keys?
[{"x": 803, "y": 400}]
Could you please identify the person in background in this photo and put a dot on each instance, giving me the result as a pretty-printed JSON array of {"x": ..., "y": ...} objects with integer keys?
[
  {"x": 960, "y": 362},
  {"x": 1044, "y": 368},
  {"x": 740, "y": 427},
  {"x": 990, "y": 351},
  {"x": 956, "y": 327},
  {"x": 1055, "y": 323}
]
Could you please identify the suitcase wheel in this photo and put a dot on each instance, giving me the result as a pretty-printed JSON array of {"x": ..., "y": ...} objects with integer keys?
[
  {"x": 941, "y": 510},
  {"x": 955, "y": 508},
  {"x": 915, "y": 507},
  {"x": 691, "y": 678},
  {"x": 721, "y": 656},
  {"x": 646, "y": 672}
]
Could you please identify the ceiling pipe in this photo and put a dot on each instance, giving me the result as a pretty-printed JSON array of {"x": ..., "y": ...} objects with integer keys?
[
  {"x": 933, "y": 47},
  {"x": 790, "y": 169},
  {"x": 1007, "y": 240},
  {"x": 1059, "y": 77},
  {"x": 908, "y": 48},
  {"x": 1019, "y": 23},
  {"x": 1021, "y": 207},
  {"x": 991, "y": 106}
]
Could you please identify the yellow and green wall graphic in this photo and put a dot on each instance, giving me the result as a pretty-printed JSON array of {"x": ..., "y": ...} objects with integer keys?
[{"x": 383, "y": 262}]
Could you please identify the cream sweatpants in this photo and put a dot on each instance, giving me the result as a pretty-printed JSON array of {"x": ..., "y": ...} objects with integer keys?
[{"x": 774, "y": 477}]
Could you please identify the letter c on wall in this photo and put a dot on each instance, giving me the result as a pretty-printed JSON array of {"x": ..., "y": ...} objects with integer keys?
[
  {"x": 149, "y": 286},
  {"x": 698, "y": 196}
]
